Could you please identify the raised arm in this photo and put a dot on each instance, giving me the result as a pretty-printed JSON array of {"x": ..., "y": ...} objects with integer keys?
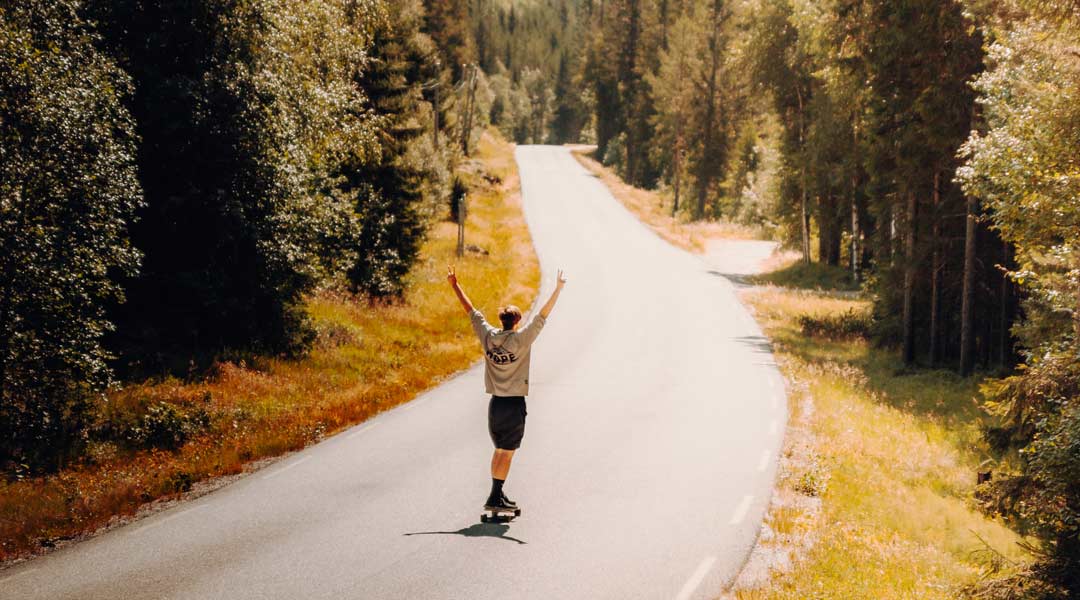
[
  {"x": 550, "y": 304},
  {"x": 451, "y": 276}
]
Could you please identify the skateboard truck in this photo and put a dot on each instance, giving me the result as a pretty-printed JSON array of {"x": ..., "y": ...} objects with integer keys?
[{"x": 499, "y": 515}]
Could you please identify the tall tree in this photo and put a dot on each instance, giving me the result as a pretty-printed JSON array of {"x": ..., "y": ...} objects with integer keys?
[
  {"x": 395, "y": 189},
  {"x": 1023, "y": 169},
  {"x": 447, "y": 22},
  {"x": 236, "y": 145},
  {"x": 68, "y": 191}
]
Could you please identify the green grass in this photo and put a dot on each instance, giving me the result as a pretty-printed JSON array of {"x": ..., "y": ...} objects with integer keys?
[
  {"x": 812, "y": 276},
  {"x": 895, "y": 454}
]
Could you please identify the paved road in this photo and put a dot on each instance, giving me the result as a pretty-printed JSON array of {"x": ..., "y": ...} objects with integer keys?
[{"x": 654, "y": 422}]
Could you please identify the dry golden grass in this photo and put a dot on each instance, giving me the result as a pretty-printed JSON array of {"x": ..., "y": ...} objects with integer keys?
[
  {"x": 654, "y": 209},
  {"x": 369, "y": 358},
  {"x": 894, "y": 459}
]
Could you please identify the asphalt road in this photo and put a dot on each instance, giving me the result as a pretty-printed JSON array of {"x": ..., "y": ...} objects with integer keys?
[{"x": 655, "y": 417}]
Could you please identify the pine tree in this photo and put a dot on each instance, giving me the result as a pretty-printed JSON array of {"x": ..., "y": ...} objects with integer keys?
[{"x": 390, "y": 188}]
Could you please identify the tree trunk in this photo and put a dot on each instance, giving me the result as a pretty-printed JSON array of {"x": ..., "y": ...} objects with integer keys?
[
  {"x": 967, "y": 309},
  {"x": 705, "y": 172},
  {"x": 854, "y": 250},
  {"x": 678, "y": 173},
  {"x": 828, "y": 232},
  {"x": 804, "y": 218},
  {"x": 633, "y": 82},
  {"x": 909, "y": 282},
  {"x": 935, "y": 275},
  {"x": 470, "y": 107},
  {"x": 1005, "y": 339}
]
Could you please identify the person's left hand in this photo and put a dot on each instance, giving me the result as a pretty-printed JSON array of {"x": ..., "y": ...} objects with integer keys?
[
  {"x": 451, "y": 276},
  {"x": 561, "y": 279}
]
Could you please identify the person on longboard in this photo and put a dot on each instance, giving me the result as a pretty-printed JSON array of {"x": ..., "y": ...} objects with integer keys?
[{"x": 506, "y": 378}]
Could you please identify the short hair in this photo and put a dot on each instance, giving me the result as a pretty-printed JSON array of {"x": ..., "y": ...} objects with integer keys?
[{"x": 509, "y": 315}]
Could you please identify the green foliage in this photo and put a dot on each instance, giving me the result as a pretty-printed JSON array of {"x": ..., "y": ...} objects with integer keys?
[
  {"x": 146, "y": 425},
  {"x": 809, "y": 276},
  {"x": 68, "y": 191},
  {"x": 393, "y": 190},
  {"x": 534, "y": 49},
  {"x": 1024, "y": 167},
  {"x": 847, "y": 325},
  {"x": 228, "y": 229},
  {"x": 267, "y": 176}
]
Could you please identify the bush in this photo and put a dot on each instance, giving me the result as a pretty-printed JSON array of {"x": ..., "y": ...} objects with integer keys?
[
  {"x": 144, "y": 424},
  {"x": 68, "y": 190},
  {"x": 847, "y": 325},
  {"x": 615, "y": 155},
  {"x": 1038, "y": 412}
]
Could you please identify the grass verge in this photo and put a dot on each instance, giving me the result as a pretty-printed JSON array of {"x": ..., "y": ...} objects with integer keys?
[
  {"x": 368, "y": 358},
  {"x": 795, "y": 273},
  {"x": 874, "y": 494},
  {"x": 654, "y": 209}
]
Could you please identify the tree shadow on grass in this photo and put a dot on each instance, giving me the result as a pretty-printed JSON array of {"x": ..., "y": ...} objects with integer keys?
[{"x": 492, "y": 530}]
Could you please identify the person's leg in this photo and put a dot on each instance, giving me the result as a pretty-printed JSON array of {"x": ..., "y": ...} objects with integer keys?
[
  {"x": 500, "y": 468},
  {"x": 500, "y": 463},
  {"x": 506, "y": 423}
]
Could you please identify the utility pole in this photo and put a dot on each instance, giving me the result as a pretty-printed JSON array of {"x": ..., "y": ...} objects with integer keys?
[{"x": 470, "y": 107}]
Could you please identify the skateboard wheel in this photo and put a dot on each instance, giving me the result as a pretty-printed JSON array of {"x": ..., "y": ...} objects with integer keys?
[
  {"x": 483, "y": 518},
  {"x": 517, "y": 513}
]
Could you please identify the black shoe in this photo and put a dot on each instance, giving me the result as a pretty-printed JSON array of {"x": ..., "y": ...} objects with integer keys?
[
  {"x": 509, "y": 502},
  {"x": 498, "y": 504}
]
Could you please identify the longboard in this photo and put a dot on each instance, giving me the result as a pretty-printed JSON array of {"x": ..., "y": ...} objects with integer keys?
[{"x": 500, "y": 515}]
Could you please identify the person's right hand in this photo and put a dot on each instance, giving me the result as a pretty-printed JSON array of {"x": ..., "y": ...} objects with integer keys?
[
  {"x": 560, "y": 279},
  {"x": 451, "y": 276}
]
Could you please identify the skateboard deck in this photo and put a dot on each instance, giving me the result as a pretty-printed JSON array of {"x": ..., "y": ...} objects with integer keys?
[{"x": 499, "y": 515}]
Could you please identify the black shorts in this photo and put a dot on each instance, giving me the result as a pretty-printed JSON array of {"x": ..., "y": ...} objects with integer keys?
[{"x": 506, "y": 421}]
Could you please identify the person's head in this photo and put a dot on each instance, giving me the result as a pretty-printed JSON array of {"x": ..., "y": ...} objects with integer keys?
[{"x": 509, "y": 316}]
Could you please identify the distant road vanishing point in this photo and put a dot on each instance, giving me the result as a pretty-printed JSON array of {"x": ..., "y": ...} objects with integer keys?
[{"x": 655, "y": 418}]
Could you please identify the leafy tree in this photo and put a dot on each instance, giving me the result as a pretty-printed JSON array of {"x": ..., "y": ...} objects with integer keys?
[
  {"x": 675, "y": 94},
  {"x": 236, "y": 146},
  {"x": 68, "y": 190},
  {"x": 1023, "y": 167}
]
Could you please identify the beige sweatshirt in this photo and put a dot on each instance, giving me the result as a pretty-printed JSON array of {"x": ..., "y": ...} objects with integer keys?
[{"x": 506, "y": 355}]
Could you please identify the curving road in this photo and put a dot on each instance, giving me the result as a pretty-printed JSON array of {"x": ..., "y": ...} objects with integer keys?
[{"x": 655, "y": 418}]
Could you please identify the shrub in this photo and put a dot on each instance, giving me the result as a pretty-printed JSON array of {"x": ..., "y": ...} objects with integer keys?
[
  {"x": 68, "y": 190},
  {"x": 847, "y": 325}
]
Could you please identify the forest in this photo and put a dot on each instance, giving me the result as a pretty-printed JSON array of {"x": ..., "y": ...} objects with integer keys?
[{"x": 172, "y": 189}]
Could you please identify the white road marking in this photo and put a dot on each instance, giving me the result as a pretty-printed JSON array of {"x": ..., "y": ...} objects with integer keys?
[
  {"x": 740, "y": 510},
  {"x": 774, "y": 427},
  {"x": 764, "y": 462},
  {"x": 691, "y": 584},
  {"x": 286, "y": 468},
  {"x": 775, "y": 402},
  {"x": 361, "y": 430},
  {"x": 17, "y": 575},
  {"x": 169, "y": 518}
]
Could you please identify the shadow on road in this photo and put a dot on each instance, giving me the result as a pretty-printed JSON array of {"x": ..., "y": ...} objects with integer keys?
[
  {"x": 759, "y": 344},
  {"x": 738, "y": 280},
  {"x": 493, "y": 530}
]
